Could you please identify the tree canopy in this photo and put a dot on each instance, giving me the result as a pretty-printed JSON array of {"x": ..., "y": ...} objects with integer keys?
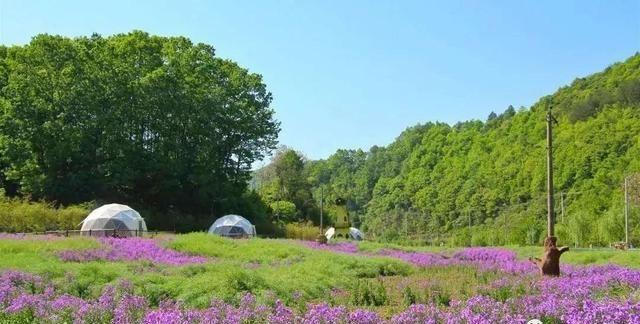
[{"x": 158, "y": 122}]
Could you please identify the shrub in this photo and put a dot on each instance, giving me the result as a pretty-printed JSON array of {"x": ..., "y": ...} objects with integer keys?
[
  {"x": 369, "y": 293},
  {"x": 18, "y": 215},
  {"x": 285, "y": 210},
  {"x": 408, "y": 296},
  {"x": 301, "y": 231}
]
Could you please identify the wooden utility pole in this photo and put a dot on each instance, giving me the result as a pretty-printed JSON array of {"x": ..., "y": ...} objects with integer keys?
[
  {"x": 321, "y": 208},
  {"x": 406, "y": 224},
  {"x": 550, "y": 214},
  {"x": 549, "y": 264},
  {"x": 626, "y": 212},
  {"x": 562, "y": 205},
  {"x": 470, "y": 236},
  {"x": 321, "y": 238}
]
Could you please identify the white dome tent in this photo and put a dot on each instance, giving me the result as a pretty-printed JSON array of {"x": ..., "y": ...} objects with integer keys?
[
  {"x": 233, "y": 226},
  {"x": 356, "y": 234},
  {"x": 113, "y": 219}
]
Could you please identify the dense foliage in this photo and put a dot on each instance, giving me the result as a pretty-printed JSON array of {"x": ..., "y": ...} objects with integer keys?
[
  {"x": 21, "y": 215},
  {"x": 156, "y": 122},
  {"x": 283, "y": 187},
  {"x": 483, "y": 182}
]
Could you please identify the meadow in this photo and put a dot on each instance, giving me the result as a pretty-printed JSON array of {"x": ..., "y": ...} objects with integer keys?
[{"x": 202, "y": 278}]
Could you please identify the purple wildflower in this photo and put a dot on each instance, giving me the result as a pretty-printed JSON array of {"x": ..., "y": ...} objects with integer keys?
[{"x": 131, "y": 249}]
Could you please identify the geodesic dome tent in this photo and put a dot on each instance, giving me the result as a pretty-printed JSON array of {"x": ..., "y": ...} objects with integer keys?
[
  {"x": 356, "y": 234},
  {"x": 232, "y": 226},
  {"x": 113, "y": 219}
]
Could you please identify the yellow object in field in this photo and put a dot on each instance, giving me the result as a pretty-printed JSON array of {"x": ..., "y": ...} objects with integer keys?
[{"x": 341, "y": 223}]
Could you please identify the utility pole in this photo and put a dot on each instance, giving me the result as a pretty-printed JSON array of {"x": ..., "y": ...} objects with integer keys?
[
  {"x": 280, "y": 198},
  {"x": 406, "y": 224},
  {"x": 626, "y": 211},
  {"x": 470, "y": 238},
  {"x": 549, "y": 264},
  {"x": 505, "y": 229},
  {"x": 562, "y": 205},
  {"x": 321, "y": 207},
  {"x": 357, "y": 214},
  {"x": 550, "y": 214}
]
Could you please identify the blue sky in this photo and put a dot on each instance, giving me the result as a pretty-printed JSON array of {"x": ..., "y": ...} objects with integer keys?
[{"x": 352, "y": 74}]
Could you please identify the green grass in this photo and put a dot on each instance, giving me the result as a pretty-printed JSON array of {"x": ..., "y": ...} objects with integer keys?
[
  {"x": 283, "y": 267},
  {"x": 36, "y": 254},
  {"x": 368, "y": 246}
]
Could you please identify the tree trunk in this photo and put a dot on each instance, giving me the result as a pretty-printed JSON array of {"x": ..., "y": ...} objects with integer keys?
[
  {"x": 549, "y": 265},
  {"x": 320, "y": 238}
]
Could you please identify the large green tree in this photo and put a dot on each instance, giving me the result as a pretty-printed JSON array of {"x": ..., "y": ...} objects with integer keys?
[
  {"x": 155, "y": 121},
  {"x": 283, "y": 182}
]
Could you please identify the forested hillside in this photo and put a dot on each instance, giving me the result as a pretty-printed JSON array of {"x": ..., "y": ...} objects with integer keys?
[{"x": 437, "y": 183}]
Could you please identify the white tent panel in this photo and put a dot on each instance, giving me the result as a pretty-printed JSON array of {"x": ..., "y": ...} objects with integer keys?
[
  {"x": 330, "y": 233},
  {"x": 356, "y": 234}
]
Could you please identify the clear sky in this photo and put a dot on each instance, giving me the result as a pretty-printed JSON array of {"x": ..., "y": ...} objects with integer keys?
[{"x": 352, "y": 74}]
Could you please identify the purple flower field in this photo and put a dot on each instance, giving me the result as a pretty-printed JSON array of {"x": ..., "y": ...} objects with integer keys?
[
  {"x": 24, "y": 295},
  {"x": 339, "y": 247},
  {"x": 484, "y": 258},
  {"x": 570, "y": 298},
  {"x": 131, "y": 249},
  {"x": 583, "y": 294}
]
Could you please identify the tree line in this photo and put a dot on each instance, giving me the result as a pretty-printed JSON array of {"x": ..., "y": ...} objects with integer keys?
[{"x": 483, "y": 182}]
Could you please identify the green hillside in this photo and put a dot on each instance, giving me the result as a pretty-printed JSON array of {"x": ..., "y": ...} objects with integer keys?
[{"x": 436, "y": 181}]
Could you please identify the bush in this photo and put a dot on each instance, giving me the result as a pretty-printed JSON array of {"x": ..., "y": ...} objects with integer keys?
[
  {"x": 18, "y": 215},
  {"x": 285, "y": 210},
  {"x": 408, "y": 297},
  {"x": 369, "y": 293},
  {"x": 301, "y": 231}
]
